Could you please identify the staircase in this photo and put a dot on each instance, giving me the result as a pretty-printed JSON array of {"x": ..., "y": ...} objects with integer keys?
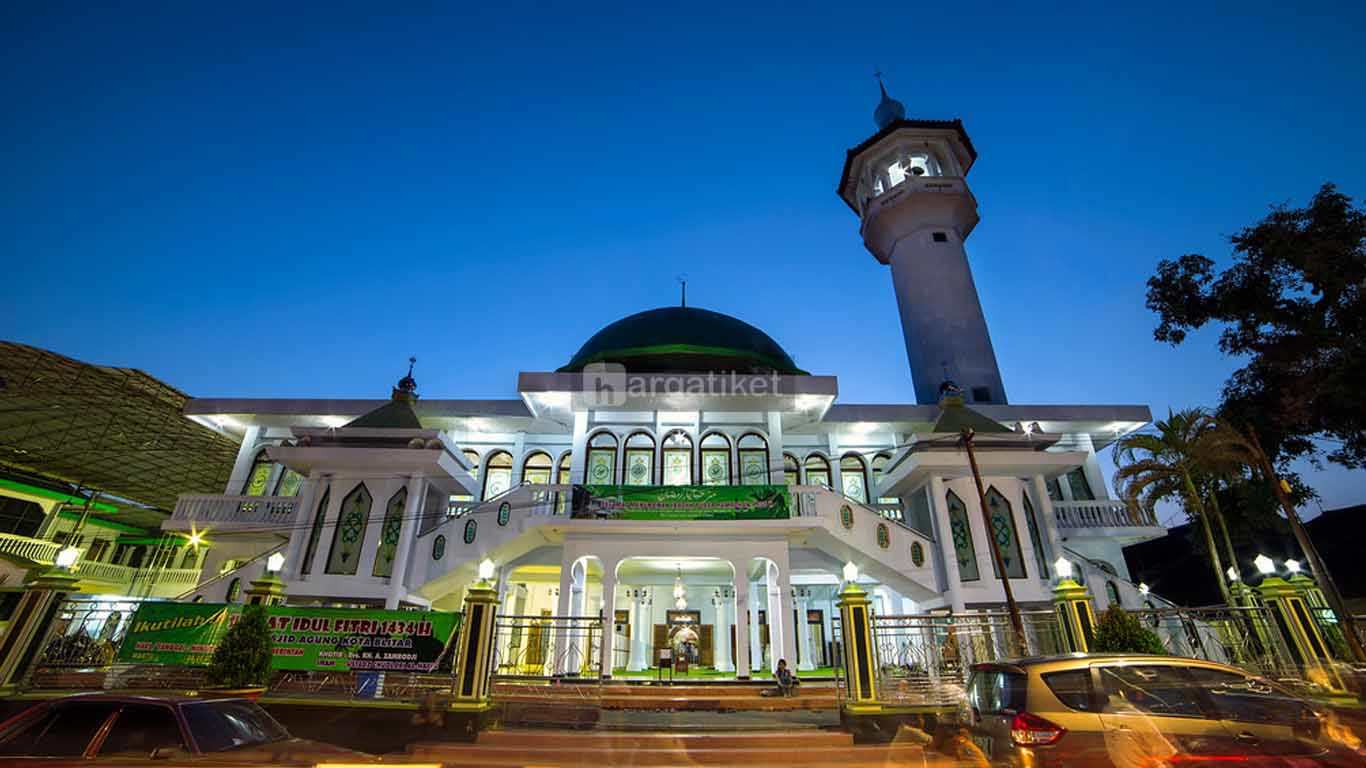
[
  {"x": 728, "y": 697},
  {"x": 813, "y": 747}
]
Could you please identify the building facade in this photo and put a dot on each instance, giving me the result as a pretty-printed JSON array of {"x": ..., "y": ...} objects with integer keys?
[{"x": 683, "y": 479}]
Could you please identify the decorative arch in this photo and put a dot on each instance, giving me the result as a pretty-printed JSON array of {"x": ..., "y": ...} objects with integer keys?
[
  {"x": 963, "y": 549},
  {"x": 792, "y": 470},
  {"x": 315, "y": 533},
  {"x": 497, "y": 474},
  {"x": 1003, "y": 531},
  {"x": 854, "y": 477},
  {"x": 388, "y": 534},
  {"x": 348, "y": 538},
  {"x": 638, "y": 464},
  {"x": 536, "y": 468},
  {"x": 817, "y": 470},
  {"x": 715, "y": 448},
  {"x": 258, "y": 477},
  {"x": 752, "y": 448},
  {"x": 188, "y": 558},
  {"x": 601, "y": 468},
  {"x": 676, "y": 458}
]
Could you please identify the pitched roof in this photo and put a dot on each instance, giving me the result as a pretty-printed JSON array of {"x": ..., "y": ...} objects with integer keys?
[{"x": 395, "y": 414}]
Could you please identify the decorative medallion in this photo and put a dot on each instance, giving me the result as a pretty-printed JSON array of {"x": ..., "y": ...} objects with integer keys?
[
  {"x": 847, "y": 516},
  {"x": 504, "y": 513},
  {"x": 917, "y": 554},
  {"x": 884, "y": 537},
  {"x": 470, "y": 528},
  {"x": 439, "y": 548}
]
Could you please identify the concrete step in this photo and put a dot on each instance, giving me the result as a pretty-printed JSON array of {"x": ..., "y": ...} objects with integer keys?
[{"x": 664, "y": 739}]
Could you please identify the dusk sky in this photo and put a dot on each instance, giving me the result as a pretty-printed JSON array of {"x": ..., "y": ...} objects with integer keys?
[{"x": 276, "y": 200}]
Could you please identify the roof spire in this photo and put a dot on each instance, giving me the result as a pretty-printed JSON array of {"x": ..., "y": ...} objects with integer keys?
[
  {"x": 888, "y": 110},
  {"x": 683, "y": 284},
  {"x": 407, "y": 386}
]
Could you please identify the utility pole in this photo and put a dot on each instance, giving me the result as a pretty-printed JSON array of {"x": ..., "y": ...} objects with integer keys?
[
  {"x": 1316, "y": 564},
  {"x": 1016, "y": 622}
]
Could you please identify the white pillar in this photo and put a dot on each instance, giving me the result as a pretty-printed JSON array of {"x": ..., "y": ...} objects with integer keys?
[
  {"x": 563, "y": 608},
  {"x": 412, "y": 511},
  {"x": 939, "y": 513},
  {"x": 807, "y": 663},
  {"x": 721, "y": 649},
  {"x": 637, "y": 661},
  {"x": 1047, "y": 519},
  {"x": 302, "y": 527},
  {"x": 741, "y": 607},
  {"x": 578, "y": 457},
  {"x": 758, "y": 595},
  {"x": 246, "y": 454},
  {"x": 609, "y": 603}
]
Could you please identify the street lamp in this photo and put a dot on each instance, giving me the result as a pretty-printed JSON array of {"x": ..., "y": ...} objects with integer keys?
[
  {"x": 1143, "y": 589},
  {"x": 850, "y": 573},
  {"x": 1232, "y": 573},
  {"x": 67, "y": 557},
  {"x": 1265, "y": 565},
  {"x": 486, "y": 568},
  {"x": 1064, "y": 568},
  {"x": 1292, "y": 565},
  {"x": 274, "y": 563}
]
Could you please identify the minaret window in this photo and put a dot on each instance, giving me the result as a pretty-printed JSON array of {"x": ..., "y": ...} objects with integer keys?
[
  {"x": 963, "y": 550},
  {"x": 753, "y": 460},
  {"x": 639, "y": 465},
  {"x": 1007, "y": 538},
  {"x": 536, "y": 468},
  {"x": 315, "y": 534},
  {"x": 854, "y": 476},
  {"x": 602, "y": 459},
  {"x": 817, "y": 470},
  {"x": 349, "y": 536},
  {"x": 497, "y": 474},
  {"x": 389, "y": 533},
  {"x": 677, "y": 458},
  {"x": 715, "y": 460}
]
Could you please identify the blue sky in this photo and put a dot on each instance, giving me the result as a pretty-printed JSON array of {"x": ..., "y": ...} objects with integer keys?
[{"x": 282, "y": 200}]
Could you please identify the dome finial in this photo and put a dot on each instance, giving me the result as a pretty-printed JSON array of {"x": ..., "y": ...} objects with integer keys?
[
  {"x": 407, "y": 386},
  {"x": 683, "y": 284},
  {"x": 889, "y": 110}
]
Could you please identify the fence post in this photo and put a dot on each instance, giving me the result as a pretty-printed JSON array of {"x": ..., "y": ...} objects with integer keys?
[
  {"x": 474, "y": 649},
  {"x": 860, "y": 658},
  {"x": 1076, "y": 619},
  {"x": 28, "y": 628},
  {"x": 1300, "y": 631}
]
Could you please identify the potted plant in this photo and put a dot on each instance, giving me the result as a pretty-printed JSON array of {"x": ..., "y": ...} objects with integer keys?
[
  {"x": 1119, "y": 631},
  {"x": 241, "y": 663}
]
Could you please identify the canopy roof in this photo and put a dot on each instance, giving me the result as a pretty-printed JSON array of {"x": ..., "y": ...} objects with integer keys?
[
  {"x": 115, "y": 430},
  {"x": 671, "y": 339}
]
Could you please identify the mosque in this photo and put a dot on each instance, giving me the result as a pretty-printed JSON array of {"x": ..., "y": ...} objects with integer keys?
[{"x": 682, "y": 479}]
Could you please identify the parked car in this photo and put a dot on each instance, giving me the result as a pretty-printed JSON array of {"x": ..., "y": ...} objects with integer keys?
[
  {"x": 135, "y": 729},
  {"x": 1138, "y": 710}
]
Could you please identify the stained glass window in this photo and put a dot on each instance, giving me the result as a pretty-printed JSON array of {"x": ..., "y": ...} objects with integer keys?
[
  {"x": 315, "y": 534},
  {"x": 349, "y": 536},
  {"x": 259, "y": 476},
  {"x": 753, "y": 460},
  {"x": 536, "y": 468},
  {"x": 1079, "y": 485},
  {"x": 1007, "y": 538},
  {"x": 288, "y": 484},
  {"x": 855, "y": 478},
  {"x": 497, "y": 473},
  {"x": 639, "y": 465},
  {"x": 562, "y": 475},
  {"x": 817, "y": 470},
  {"x": 715, "y": 460},
  {"x": 388, "y": 534},
  {"x": 964, "y": 551},
  {"x": 1035, "y": 537},
  {"x": 791, "y": 470},
  {"x": 677, "y": 459}
]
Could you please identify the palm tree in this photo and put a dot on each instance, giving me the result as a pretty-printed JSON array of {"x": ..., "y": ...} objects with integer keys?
[{"x": 1188, "y": 450}]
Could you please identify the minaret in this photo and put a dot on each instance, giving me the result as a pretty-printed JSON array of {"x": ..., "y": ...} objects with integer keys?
[{"x": 906, "y": 182}]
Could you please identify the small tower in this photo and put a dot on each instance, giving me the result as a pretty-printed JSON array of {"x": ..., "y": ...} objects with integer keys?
[{"x": 906, "y": 182}]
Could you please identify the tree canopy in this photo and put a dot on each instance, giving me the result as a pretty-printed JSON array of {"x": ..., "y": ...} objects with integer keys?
[{"x": 1291, "y": 303}]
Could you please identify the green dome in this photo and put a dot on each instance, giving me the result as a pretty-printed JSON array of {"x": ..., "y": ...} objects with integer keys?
[{"x": 673, "y": 339}]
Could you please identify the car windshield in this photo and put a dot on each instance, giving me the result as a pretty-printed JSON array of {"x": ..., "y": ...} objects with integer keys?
[{"x": 221, "y": 725}]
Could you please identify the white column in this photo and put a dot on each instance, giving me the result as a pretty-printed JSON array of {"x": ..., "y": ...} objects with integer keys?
[
  {"x": 246, "y": 453},
  {"x": 412, "y": 511},
  {"x": 578, "y": 603},
  {"x": 807, "y": 663},
  {"x": 721, "y": 649},
  {"x": 741, "y": 608},
  {"x": 1047, "y": 519},
  {"x": 836, "y": 479},
  {"x": 758, "y": 596},
  {"x": 775, "y": 447},
  {"x": 301, "y": 527},
  {"x": 939, "y": 514},
  {"x": 609, "y": 603},
  {"x": 578, "y": 456},
  {"x": 562, "y": 608},
  {"x": 636, "y": 663},
  {"x": 518, "y": 449}
]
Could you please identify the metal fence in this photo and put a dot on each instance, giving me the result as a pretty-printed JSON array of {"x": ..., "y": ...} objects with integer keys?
[{"x": 548, "y": 646}]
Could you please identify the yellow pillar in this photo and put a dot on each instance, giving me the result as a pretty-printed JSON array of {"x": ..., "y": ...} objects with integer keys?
[
  {"x": 267, "y": 590},
  {"x": 474, "y": 648},
  {"x": 860, "y": 656},
  {"x": 1300, "y": 632},
  {"x": 23, "y": 639},
  {"x": 1076, "y": 618}
]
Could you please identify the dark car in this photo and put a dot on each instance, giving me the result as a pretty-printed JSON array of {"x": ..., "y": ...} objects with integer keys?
[
  {"x": 136, "y": 729},
  {"x": 1137, "y": 710}
]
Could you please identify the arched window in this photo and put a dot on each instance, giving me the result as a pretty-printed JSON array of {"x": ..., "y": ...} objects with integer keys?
[
  {"x": 879, "y": 465},
  {"x": 388, "y": 534},
  {"x": 234, "y": 591},
  {"x": 189, "y": 558},
  {"x": 602, "y": 459},
  {"x": 753, "y": 451},
  {"x": 562, "y": 477},
  {"x": 677, "y": 458},
  {"x": 964, "y": 551},
  {"x": 497, "y": 474},
  {"x": 817, "y": 470},
  {"x": 1112, "y": 592},
  {"x": 792, "y": 473},
  {"x": 315, "y": 534},
  {"x": 288, "y": 484},
  {"x": 1035, "y": 537},
  {"x": 536, "y": 468},
  {"x": 854, "y": 476},
  {"x": 258, "y": 478},
  {"x": 639, "y": 466},
  {"x": 1007, "y": 538},
  {"x": 349, "y": 536},
  {"x": 715, "y": 460}
]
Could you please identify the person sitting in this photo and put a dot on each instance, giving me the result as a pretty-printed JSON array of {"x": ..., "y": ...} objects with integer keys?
[{"x": 787, "y": 682}]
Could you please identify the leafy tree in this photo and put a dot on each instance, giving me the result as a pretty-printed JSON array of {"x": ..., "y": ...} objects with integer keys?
[
  {"x": 1292, "y": 305},
  {"x": 1119, "y": 631},
  {"x": 242, "y": 659}
]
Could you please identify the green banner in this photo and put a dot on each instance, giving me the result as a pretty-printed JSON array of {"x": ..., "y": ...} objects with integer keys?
[
  {"x": 685, "y": 502},
  {"x": 304, "y": 638}
]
